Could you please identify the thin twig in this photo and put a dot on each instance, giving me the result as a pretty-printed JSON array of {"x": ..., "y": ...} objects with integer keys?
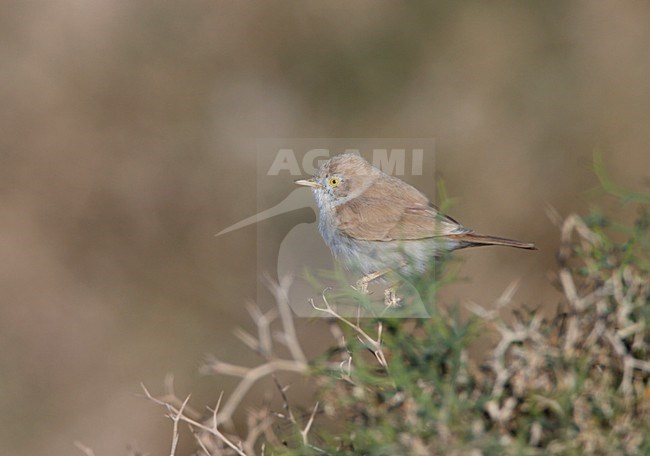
[
  {"x": 249, "y": 376},
  {"x": 280, "y": 290},
  {"x": 304, "y": 433},
  {"x": 212, "y": 430},
  {"x": 175, "y": 433},
  {"x": 374, "y": 345}
]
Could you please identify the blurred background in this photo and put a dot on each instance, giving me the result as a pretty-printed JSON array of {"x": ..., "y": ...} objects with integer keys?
[{"x": 126, "y": 139}]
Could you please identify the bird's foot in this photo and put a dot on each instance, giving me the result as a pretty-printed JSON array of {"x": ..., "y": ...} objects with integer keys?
[
  {"x": 362, "y": 285},
  {"x": 390, "y": 298}
]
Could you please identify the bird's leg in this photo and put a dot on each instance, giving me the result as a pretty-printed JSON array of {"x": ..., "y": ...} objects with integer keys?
[
  {"x": 362, "y": 284},
  {"x": 390, "y": 294},
  {"x": 390, "y": 297}
]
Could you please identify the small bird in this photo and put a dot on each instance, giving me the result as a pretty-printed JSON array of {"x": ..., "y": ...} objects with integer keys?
[{"x": 375, "y": 223}]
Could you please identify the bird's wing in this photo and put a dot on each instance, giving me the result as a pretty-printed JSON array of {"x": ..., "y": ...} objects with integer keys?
[
  {"x": 391, "y": 210},
  {"x": 419, "y": 222}
]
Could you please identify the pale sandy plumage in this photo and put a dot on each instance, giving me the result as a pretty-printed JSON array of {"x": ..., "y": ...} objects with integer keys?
[{"x": 371, "y": 220}]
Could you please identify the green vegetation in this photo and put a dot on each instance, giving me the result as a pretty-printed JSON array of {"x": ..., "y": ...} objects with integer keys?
[{"x": 573, "y": 384}]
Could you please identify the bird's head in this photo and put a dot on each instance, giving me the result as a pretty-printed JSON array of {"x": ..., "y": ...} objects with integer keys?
[{"x": 341, "y": 179}]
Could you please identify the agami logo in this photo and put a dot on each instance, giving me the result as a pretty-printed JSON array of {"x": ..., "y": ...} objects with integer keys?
[{"x": 301, "y": 250}]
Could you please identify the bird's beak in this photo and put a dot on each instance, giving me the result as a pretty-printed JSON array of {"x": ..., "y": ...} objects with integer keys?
[{"x": 308, "y": 183}]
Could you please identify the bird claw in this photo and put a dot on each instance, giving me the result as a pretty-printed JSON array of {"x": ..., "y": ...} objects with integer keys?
[
  {"x": 361, "y": 286},
  {"x": 391, "y": 299}
]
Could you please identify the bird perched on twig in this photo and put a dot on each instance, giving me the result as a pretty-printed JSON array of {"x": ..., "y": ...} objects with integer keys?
[{"x": 375, "y": 223}]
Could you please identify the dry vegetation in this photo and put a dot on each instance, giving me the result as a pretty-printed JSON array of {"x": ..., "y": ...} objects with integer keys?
[
  {"x": 128, "y": 142},
  {"x": 574, "y": 384}
]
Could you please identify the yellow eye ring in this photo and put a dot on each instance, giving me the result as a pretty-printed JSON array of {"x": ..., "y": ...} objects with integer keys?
[{"x": 334, "y": 181}]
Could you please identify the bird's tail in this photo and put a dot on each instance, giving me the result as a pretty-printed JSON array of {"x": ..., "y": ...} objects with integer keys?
[{"x": 476, "y": 240}]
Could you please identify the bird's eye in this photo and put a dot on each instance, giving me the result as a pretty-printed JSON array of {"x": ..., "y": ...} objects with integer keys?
[{"x": 334, "y": 181}]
